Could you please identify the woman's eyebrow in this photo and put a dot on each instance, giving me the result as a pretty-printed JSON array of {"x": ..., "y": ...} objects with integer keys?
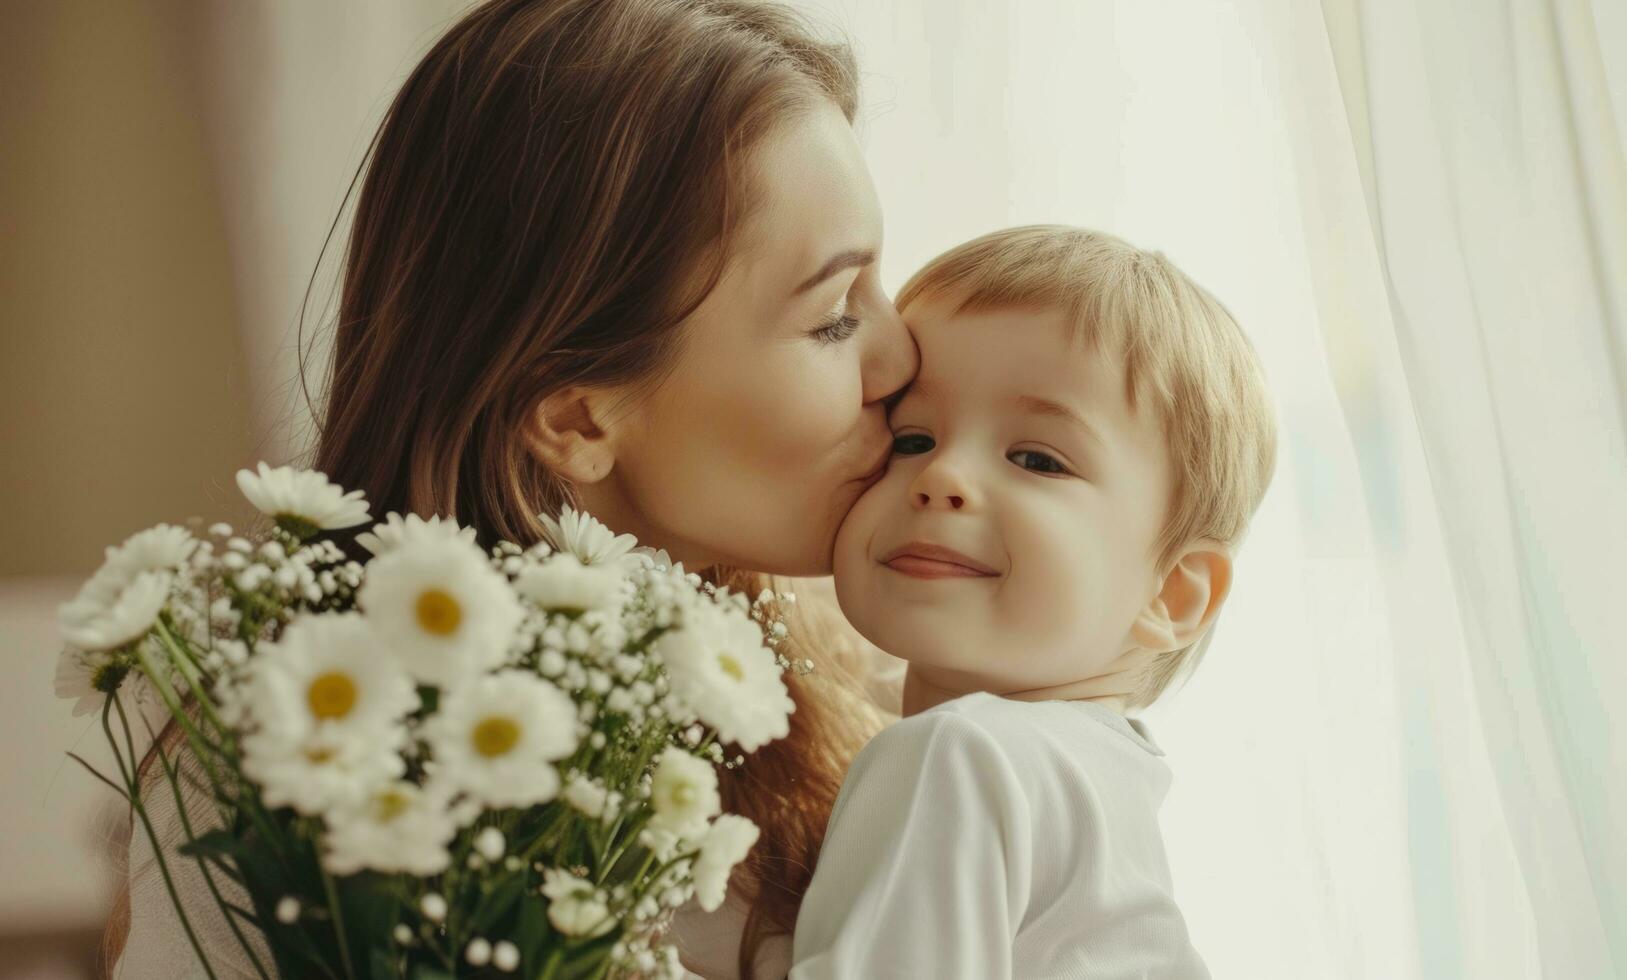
[{"x": 838, "y": 262}]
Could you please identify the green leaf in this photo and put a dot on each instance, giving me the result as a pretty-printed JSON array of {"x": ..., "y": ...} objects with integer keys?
[
  {"x": 216, "y": 843},
  {"x": 384, "y": 964},
  {"x": 498, "y": 904},
  {"x": 371, "y": 911}
]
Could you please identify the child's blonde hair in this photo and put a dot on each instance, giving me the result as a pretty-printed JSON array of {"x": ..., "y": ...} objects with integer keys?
[{"x": 1184, "y": 355}]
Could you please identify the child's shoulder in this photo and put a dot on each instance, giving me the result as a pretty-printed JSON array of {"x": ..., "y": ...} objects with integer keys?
[
  {"x": 981, "y": 723},
  {"x": 1030, "y": 728}
]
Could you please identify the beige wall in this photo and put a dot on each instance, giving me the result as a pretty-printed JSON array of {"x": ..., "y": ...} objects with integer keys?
[
  {"x": 121, "y": 373},
  {"x": 121, "y": 400}
]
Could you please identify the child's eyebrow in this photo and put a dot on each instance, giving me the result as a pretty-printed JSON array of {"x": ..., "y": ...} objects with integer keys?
[{"x": 1035, "y": 405}]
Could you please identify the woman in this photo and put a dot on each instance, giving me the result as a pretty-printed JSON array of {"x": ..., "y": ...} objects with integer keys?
[{"x": 623, "y": 253}]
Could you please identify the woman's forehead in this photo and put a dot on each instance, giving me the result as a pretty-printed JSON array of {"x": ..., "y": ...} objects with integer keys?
[{"x": 812, "y": 198}]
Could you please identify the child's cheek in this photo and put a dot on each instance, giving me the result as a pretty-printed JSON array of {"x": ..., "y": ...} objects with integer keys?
[{"x": 858, "y": 527}]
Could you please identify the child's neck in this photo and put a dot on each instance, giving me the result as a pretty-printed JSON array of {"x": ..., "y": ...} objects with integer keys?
[{"x": 922, "y": 691}]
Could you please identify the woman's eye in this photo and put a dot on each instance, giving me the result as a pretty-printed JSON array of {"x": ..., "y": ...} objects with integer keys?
[
  {"x": 912, "y": 444},
  {"x": 1036, "y": 461},
  {"x": 837, "y": 328}
]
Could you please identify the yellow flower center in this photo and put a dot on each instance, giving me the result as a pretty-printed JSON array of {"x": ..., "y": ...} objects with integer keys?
[
  {"x": 731, "y": 666},
  {"x": 389, "y": 804},
  {"x": 495, "y": 736},
  {"x": 438, "y": 612},
  {"x": 331, "y": 695},
  {"x": 319, "y": 754},
  {"x": 683, "y": 794}
]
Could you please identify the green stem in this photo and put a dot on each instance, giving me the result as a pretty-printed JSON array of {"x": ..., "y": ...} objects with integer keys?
[
  {"x": 338, "y": 920},
  {"x": 189, "y": 670},
  {"x": 602, "y": 866},
  {"x": 611, "y": 861},
  {"x": 552, "y": 966},
  {"x": 130, "y": 780},
  {"x": 203, "y": 865}
]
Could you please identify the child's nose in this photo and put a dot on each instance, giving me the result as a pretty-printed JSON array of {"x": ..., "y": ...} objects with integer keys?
[
  {"x": 941, "y": 485},
  {"x": 954, "y": 501}
]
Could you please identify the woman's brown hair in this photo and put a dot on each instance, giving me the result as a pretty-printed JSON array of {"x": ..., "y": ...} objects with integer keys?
[{"x": 554, "y": 190}]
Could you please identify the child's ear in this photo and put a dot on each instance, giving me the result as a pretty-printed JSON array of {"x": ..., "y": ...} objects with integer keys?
[
  {"x": 566, "y": 432},
  {"x": 1188, "y": 600}
]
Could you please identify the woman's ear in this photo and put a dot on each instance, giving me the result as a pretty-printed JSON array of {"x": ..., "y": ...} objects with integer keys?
[
  {"x": 1188, "y": 600},
  {"x": 566, "y": 431}
]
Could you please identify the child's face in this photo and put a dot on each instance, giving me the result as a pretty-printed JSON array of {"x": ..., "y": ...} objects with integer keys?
[{"x": 1054, "y": 519}]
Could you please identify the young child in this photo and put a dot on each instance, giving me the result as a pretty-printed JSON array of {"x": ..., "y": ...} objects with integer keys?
[{"x": 1073, "y": 468}]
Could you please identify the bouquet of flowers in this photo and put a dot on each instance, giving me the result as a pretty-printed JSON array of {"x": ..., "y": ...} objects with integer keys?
[{"x": 442, "y": 762}]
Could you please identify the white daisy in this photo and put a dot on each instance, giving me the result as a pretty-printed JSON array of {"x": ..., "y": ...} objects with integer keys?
[
  {"x": 497, "y": 737},
  {"x": 726, "y": 844},
  {"x": 683, "y": 791},
  {"x": 115, "y": 607},
  {"x": 121, "y": 601},
  {"x": 397, "y": 827},
  {"x": 88, "y": 677},
  {"x": 657, "y": 558},
  {"x": 328, "y": 670},
  {"x": 395, "y": 531},
  {"x": 302, "y": 501},
  {"x": 574, "y": 907},
  {"x": 586, "y": 538},
  {"x": 164, "y": 547},
  {"x": 718, "y": 665},
  {"x": 326, "y": 768},
  {"x": 440, "y": 607},
  {"x": 565, "y": 583},
  {"x": 327, "y": 707}
]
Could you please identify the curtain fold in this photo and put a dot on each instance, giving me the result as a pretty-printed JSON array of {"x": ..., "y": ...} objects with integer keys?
[{"x": 1496, "y": 193}]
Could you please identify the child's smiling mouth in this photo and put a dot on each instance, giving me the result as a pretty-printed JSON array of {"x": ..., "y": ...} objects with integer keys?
[{"x": 919, "y": 559}]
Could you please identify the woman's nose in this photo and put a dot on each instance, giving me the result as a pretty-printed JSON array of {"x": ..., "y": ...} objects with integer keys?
[
  {"x": 941, "y": 485},
  {"x": 892, "y": 359}
]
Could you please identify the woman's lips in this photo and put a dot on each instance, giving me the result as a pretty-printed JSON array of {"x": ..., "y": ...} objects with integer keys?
[{"x": 921, "y": 560}]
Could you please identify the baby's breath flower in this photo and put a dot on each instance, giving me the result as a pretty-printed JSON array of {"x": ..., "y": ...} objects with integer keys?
[
  {"x": 489, "y": 842},
  {"x": 684, "y": 792},
  {"x": 505, "y": 956},
  {"x": 575, "y": 908},
  {"x": 726, "y": 844},
  {"x": 585, "y": 795}
]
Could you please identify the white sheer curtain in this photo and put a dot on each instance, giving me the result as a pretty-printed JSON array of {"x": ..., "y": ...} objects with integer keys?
[{"x": 1398, "y": 758}]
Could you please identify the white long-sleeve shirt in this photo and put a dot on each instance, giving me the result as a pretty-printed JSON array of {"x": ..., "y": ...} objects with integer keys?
[{"x": 987, "y": 838}]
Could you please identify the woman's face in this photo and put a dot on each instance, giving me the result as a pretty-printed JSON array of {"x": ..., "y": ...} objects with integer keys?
[{"x": 772, "y": 423}]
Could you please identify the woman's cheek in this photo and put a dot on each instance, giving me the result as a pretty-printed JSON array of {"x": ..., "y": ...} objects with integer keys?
[{"x": 815, "y": 403}]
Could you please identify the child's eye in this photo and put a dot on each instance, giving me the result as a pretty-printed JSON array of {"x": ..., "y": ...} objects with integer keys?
[
  {"x": 1036, "y": 461},
  {"x": 912, "y": 444}
]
